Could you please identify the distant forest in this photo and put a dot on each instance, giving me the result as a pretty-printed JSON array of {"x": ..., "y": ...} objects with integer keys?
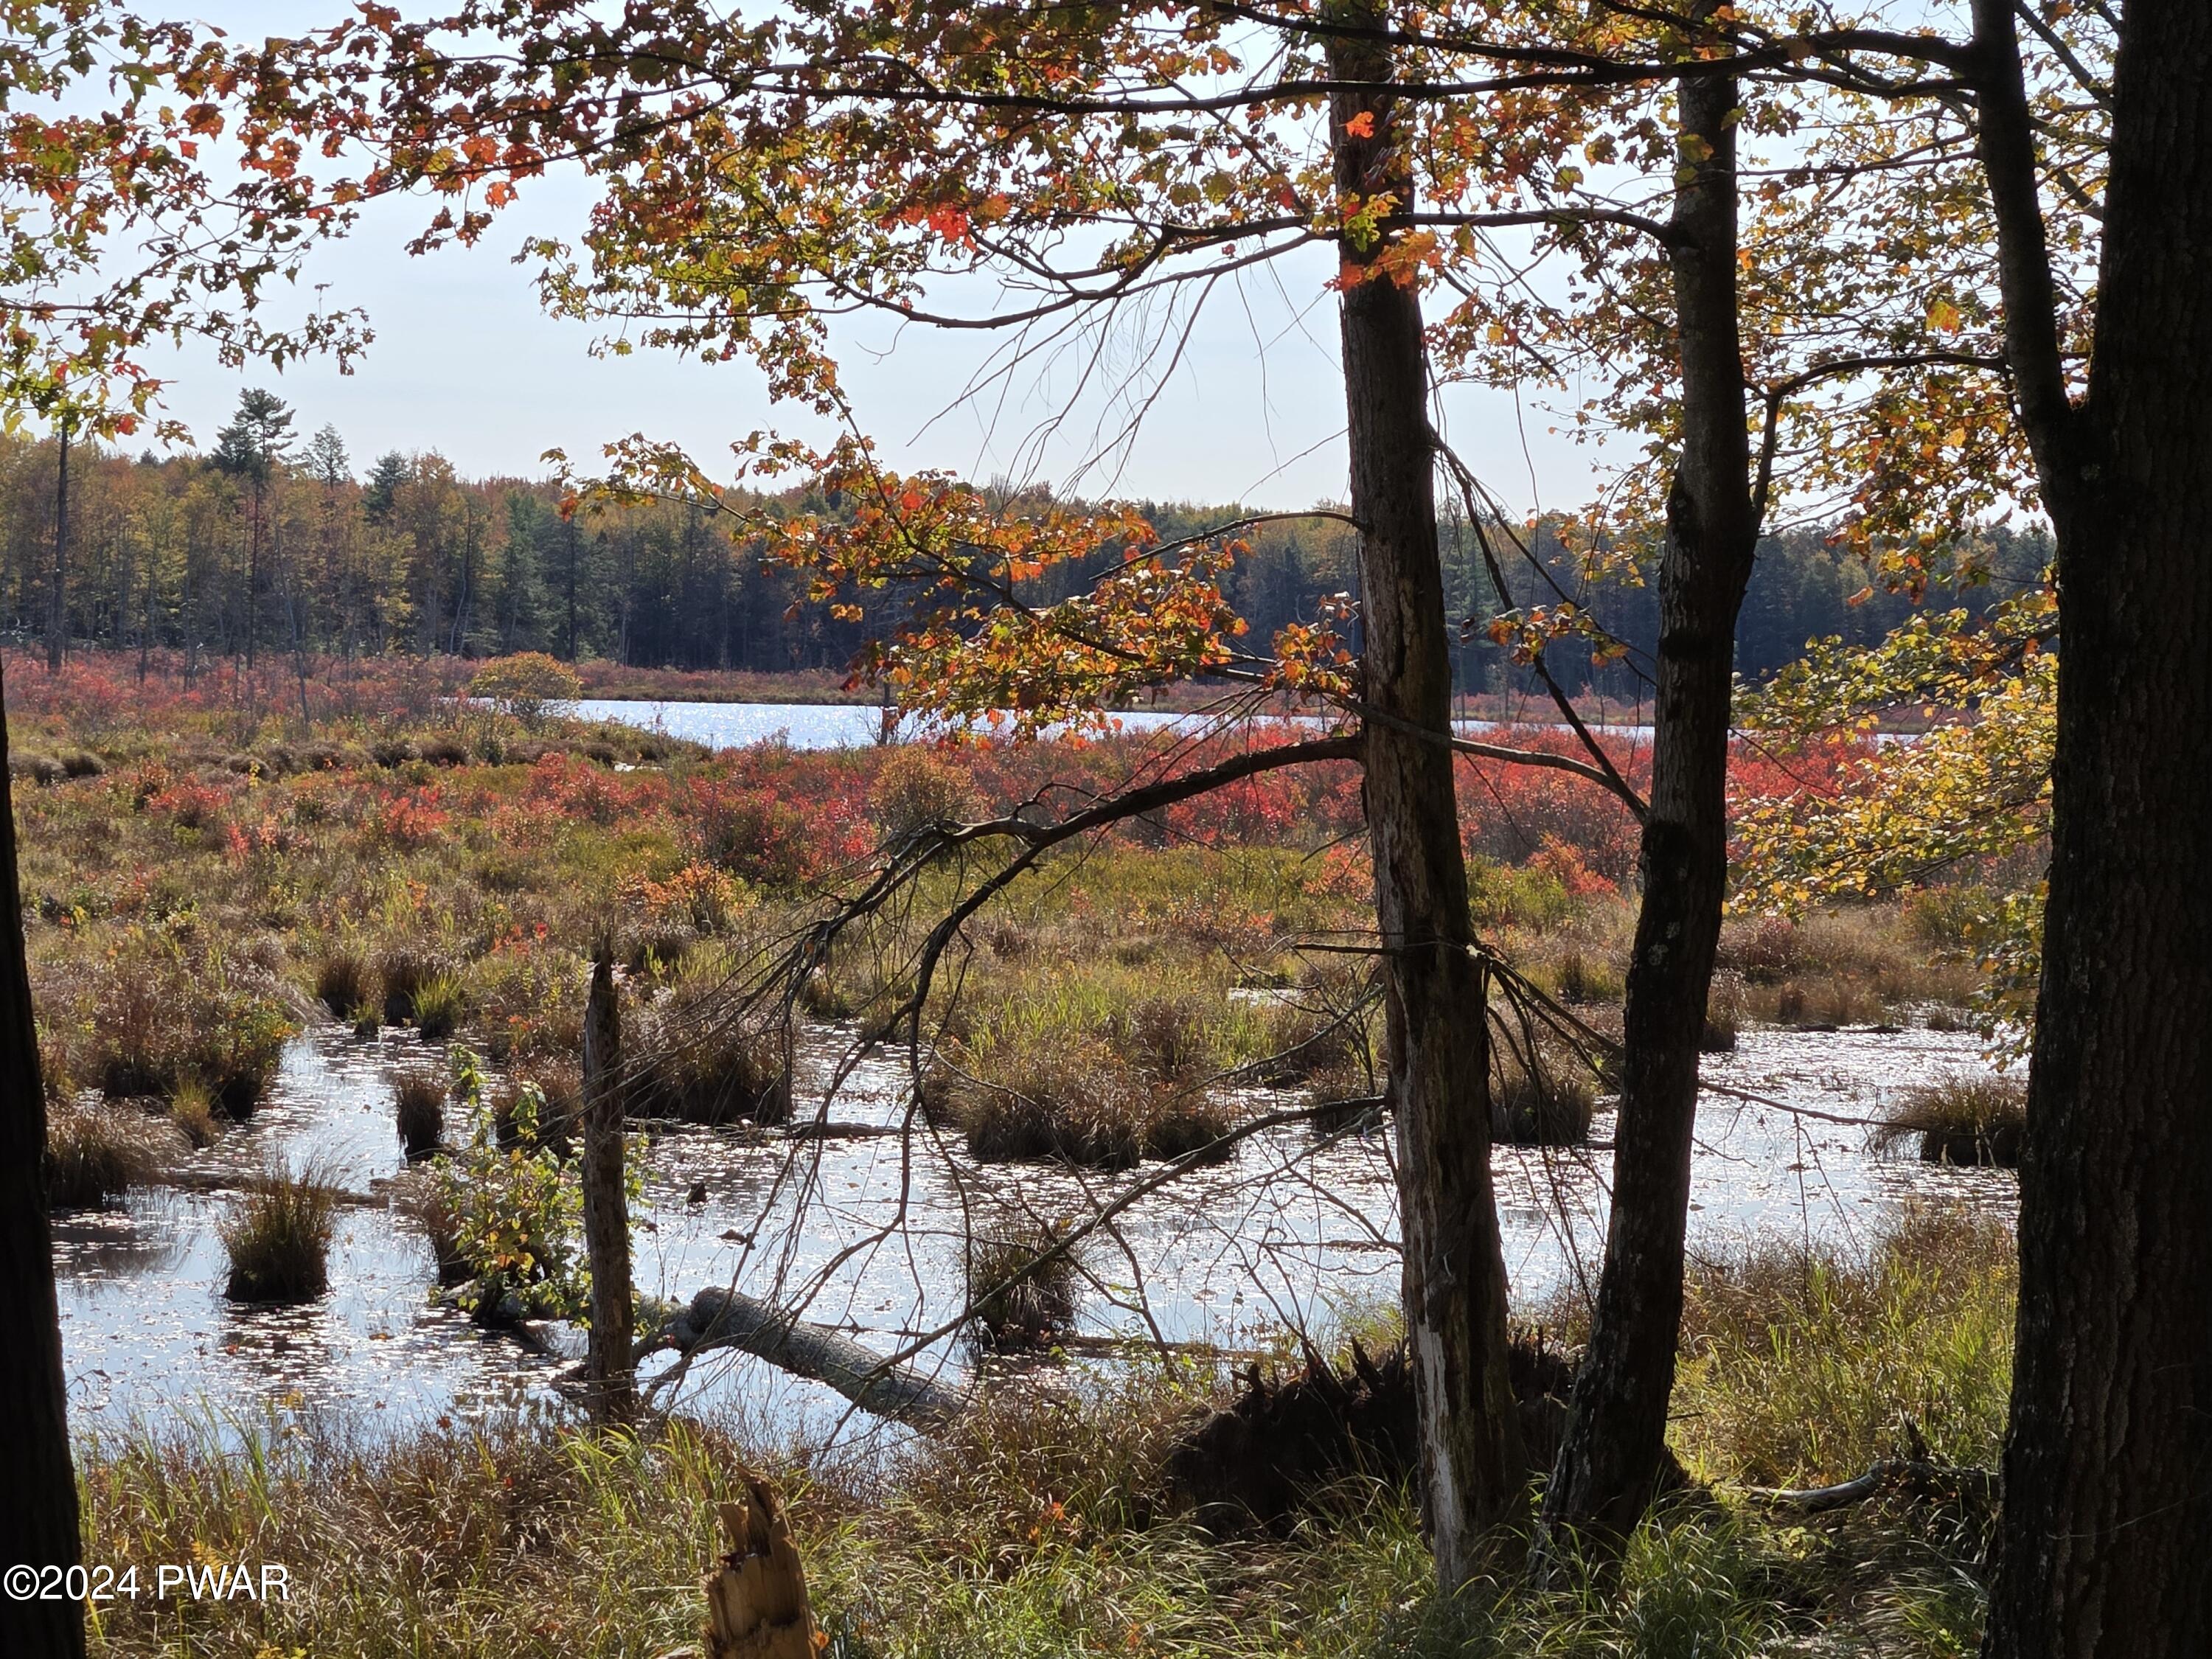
[{"x": 274, "y": 541}]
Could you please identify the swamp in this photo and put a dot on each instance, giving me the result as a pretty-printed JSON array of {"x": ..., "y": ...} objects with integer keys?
[{"x": 311, "y": 1007}]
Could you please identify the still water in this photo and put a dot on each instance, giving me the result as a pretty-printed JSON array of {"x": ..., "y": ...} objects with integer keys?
[{"x": 866, "y": 1233}]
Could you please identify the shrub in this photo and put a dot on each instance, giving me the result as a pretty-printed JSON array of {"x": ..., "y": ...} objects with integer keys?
[
  {"x": 278, "y": 1238},
  {"x": 1020, "y": 1296},
  {"x": 419, "y": 1111},
  {"x": 390, "y": 752},
  {"x": 1964, "y": 1118},
  {"x": 516, "y": 1215},
  {"x": 95, "y": 1152},
  {"x": 916, "y": 786},
  {"x": 523, "y": 684},
  {"x": 443, "y": 752}
]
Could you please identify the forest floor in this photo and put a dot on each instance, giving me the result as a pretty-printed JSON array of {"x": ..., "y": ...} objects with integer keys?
[{"x": 205, "y": 871}]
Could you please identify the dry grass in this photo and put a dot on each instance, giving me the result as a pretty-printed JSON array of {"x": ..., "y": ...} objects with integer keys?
[{"x": 1548, "y": 1102}]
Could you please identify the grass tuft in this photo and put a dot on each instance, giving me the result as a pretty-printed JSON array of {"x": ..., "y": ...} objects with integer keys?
[
  {"x": 95, "y": 1153},
  {"x": 344, "y": 982},
  {"x": 277, "y": 1237},
  {"x": 1968, "y": 1117},
  {"x": 419, "y": 1110},
  {"x": 1020, "y": 1296}
]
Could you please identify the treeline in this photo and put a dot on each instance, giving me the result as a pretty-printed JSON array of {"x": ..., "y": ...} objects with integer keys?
[{"x": 271, "y": 541}]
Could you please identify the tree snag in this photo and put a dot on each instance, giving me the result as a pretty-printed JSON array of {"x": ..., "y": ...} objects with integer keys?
[
  {"x": 756, "y": 1606},
  {"x": 606, "y": 1205}
]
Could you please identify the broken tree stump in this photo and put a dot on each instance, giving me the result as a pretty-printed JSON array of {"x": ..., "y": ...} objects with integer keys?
[
  {"x": 606, "y": 1206},
  {"x": 756, "y": 1606}
]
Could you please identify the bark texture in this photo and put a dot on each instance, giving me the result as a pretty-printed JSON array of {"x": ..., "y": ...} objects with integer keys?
[
  {"x": 1615, "y": 1441},
  {"x": 2108, "y": 1460},
  {"x": 606, "y": 1204},
  {"x": 38, "y": 1487},
  {"x": 1437, "y": 1030}
]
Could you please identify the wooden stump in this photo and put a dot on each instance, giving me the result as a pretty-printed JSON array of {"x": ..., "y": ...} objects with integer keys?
[{"x": 757, "y": 1604}]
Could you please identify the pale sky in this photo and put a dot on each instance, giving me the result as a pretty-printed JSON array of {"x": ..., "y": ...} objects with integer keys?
[{"x": 466, "y": 362}]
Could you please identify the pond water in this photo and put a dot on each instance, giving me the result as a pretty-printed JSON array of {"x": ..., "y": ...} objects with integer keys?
[
  {"x": 865, "y": 1234},
  {"x": 847, "y": 726}
]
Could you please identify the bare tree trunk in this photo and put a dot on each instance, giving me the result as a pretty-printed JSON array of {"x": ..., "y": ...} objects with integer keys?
[
  {"x": 57, "y": 583},
  {"x": 2101, "y": 1543},
  {"x": 606, "y": 1205},
  {"x": 39, "y": 1513},
  {"x": 1454, "y": 1271},
  {"x": 1616, "y": 1429}
]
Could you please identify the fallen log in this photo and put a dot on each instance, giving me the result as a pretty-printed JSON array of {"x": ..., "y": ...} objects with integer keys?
[
  {"x": 720, "y": 1318},
  {"x": 1919, "y": 1478}
]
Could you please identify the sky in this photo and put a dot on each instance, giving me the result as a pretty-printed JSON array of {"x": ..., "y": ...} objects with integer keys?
[{"x": 466, "y": 362}]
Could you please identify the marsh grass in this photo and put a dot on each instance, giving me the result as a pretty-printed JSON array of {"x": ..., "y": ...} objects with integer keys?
[
  {"x": 1021, "y": 1294},
  {"x": 1539, "y": 1099},
  {"x": 192, "y": 1109},
  {"x": 278, "y": 1238},
  {"x": 344, "y": 983},
  {"x": 1033, "y": 1528},
  {"x": 1967, "y": 1117},
  {"x": 1800, "y": 1367},
  {"x": 440, "y": 1004},
  {"x": 419, "y": 1111},
  {"x": 164, "y": 1008},
  {"x": 95, "y": 1153}
]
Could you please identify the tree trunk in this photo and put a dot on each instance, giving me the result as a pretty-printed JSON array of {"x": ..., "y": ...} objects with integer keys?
[
  {"x": 1617, "y": 1423},
  {"x": 1438, "y": 1040},
  {"x": 2108, "y": 1458},
  {"x": 38, "y": 1516},
  {"x": 57, "y": 584},
  {"x": 606, "y": 1205}
]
